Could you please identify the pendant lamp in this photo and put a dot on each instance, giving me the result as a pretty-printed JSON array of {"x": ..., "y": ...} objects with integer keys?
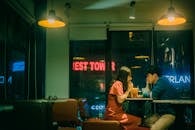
[
  {"x": 51, "y": 21},
  {"x": 171, "y": 18},
  {"x": 132, "y": 10}
]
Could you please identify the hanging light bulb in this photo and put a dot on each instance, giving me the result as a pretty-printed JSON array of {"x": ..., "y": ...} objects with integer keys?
[
  {"x": 171, "y": 18},
  {"x": 132, "y": 10},
  {"x": 51, "y": 21}
]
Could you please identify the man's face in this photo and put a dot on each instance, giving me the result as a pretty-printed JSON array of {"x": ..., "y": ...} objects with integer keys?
[{"x": 149, "y": 78}]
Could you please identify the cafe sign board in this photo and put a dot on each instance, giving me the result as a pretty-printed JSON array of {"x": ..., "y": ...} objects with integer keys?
[{"x": 91, "y": 66}]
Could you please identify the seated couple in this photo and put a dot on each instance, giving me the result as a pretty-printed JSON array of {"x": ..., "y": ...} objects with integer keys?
[{"x": 119, "y": 91}]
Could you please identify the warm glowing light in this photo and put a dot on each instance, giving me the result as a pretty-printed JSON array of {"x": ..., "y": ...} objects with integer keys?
[
  {"x": 142, "y": 57},
  {"x": 131, "y": 17},
  {"x": 136, "y": 67},
  {"x": 78, "y": 58},
  {"x": 171, "y": 18},
  {"x": 102, "y": 87},
  {"x": 171, "y": 21},
  {"x": 52, "y": 21},
  {"x": 130, "y": 35}
]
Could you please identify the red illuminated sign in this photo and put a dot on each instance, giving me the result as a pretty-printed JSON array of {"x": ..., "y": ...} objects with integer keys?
[{"x": 91, "y": 66}]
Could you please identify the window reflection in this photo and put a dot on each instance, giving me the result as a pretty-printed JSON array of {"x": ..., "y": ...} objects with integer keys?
[
  {"x": 133, "y": 49},
  {"x": 174, "y": 56}
]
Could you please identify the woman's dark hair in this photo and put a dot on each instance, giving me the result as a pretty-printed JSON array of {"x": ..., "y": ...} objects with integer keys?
[
  {"x": 123, "y": 73},
  {"x": 121, "y": 76},
  {"x": 154, "y": 69}
]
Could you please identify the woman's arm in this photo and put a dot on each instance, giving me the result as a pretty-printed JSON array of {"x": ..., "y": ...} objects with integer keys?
[{"x": 122, "y": 98}]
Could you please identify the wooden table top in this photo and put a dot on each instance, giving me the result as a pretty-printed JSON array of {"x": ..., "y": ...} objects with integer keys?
[
  {"x": 174, "y": 101},
  {"x": 139, "y": 99}
]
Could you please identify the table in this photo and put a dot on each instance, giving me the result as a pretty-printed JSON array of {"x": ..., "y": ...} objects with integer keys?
[
  {"x": 174, "y": 102},
  {"x": 139, "y": 99},
  {"x": 140, "y": 106},
  {"x": 178, "y": 101}
]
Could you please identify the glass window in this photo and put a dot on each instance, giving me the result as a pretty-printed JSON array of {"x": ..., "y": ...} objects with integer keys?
[
  {"x": 88, "y": 74},
  {"x": 133, "y": 49},
  {"x": 175, "y": 56},
  {"x": 88, "y": 71},
  {"x": 89, "y": 77}
]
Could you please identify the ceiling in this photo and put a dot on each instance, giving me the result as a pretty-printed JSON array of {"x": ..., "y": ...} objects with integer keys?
[
  {"x": 107, "y": 11},
  {"x": 146, "y": 11}
]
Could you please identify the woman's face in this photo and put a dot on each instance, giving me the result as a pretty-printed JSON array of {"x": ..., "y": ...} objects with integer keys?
[{"x": 129, "y": 78}]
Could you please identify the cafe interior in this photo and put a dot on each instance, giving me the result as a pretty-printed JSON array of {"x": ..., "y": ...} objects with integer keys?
[{"x": 55, "y": 74}]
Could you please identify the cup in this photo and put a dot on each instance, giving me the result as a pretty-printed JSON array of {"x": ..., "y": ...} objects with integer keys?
[
  {"x": 134, "y": 92},
  {"x": 145, "y": 92}
]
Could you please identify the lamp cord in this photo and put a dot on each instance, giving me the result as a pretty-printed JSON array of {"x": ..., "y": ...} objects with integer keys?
[
  {"x": 52, "y": 4},
  {"x": 171, "y": 3}
]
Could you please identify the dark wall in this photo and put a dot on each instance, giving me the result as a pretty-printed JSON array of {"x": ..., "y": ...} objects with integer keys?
[
  {"x": 24, "y": 43},
  {"x": 26, "y": 115}
]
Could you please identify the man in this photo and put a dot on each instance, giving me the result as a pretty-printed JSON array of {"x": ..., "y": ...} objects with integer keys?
[{"x": 161, "y": 90}]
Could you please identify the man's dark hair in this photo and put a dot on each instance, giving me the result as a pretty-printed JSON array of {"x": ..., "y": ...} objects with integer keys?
[{"x": 154, "y": 69}]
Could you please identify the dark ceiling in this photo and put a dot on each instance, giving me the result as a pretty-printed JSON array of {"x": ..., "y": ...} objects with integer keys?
[{"x": 98, "y": 11}]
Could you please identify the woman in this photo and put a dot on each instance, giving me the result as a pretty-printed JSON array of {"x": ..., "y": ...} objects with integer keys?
[{"x": 118, "y": 93}]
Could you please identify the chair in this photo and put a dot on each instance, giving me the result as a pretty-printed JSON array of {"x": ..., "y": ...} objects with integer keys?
[
  {"x": 65, "y": 114},
  {"x": 98, "y": 124}
]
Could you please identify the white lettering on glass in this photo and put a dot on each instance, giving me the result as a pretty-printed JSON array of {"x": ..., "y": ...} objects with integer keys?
[{"x": 179, "y": 79}]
